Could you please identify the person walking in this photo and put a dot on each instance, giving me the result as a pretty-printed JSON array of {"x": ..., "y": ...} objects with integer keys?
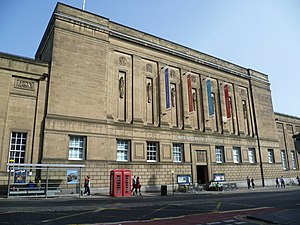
[
  {"x": 133, "y": 184},
  {"x": 248, "y": 183},
  {"x": 87, "y": 186},
  {"x": 138, "y": 186},
  {"x": 252, "y": 183},
  {"x": 277, "y": 182},
  {"x": 282, "y": 182}
]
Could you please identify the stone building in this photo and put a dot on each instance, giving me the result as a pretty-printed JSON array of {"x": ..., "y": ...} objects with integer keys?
[{"x": 108, "y": 96}]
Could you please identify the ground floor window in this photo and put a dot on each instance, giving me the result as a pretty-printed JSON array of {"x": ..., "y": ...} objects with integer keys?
[
  {"x": 220, "y": 154},
  {"x": 177, "y": 152},
  {"x": 283, "y": 160},
  {"x": 17, "y": 147},
  {"x": 236, "y": 152},
  {"x": 76, "y": 147},
  {"x": 271, "y": 158},
  {"x": 294, "y": 163},
  {"x": 122, "y": 150},
  {"x": 152, "y": 151},
  {"x": 251, "y": 155}
]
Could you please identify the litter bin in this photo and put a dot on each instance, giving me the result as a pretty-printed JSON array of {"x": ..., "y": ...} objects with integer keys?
[{"x": 163, "y": 190}]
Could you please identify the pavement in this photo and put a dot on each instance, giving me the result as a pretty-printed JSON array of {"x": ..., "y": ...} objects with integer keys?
[{"x": 274, "y": 216}]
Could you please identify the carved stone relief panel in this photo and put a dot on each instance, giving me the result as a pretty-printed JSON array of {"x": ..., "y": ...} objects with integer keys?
[
  {"x": 289, "y": 129},
  {"x": 122, "y": 61},
  {"x": 24, "y": 84},
  {"x": 149, "y": 68},
  {"x": 201, "y": 156}
]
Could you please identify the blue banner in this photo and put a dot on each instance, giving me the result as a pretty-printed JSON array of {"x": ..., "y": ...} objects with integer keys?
[
  {"x": 167, "y": 88},
  {"x": 209, "y": 98}
]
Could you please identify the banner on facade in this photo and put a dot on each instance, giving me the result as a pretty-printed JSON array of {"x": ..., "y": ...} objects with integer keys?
[
  {"x": 190, "y": 94},
  {"x": 227, "y": 102},
  {"x": 209, "y": 98},
  {"x": 167, "y": 88}
]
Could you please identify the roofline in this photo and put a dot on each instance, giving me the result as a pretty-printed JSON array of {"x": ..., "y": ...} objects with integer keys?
[
  {"x": 207, "y": 59},
  {"x": 22, "y": 59},
  {"x": 286, "y": 115}
]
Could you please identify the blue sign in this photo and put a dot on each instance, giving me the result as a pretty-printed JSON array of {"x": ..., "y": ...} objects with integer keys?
[
  {"x": 209, "y": 98},
  {"x": 167, "y": 88},
  {"x": 183, "y": 179}
]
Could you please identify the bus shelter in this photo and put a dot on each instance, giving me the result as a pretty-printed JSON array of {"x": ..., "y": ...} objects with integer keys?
[{"x": 44, "y": 180}]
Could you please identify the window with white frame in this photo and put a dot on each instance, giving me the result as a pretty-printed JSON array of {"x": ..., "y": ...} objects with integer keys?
[
  {"x": 122, "y": 150},
  {"x": 271, "y": 158},
  {"x": 252, "y": 155},
  {"x": 283, "y": 160},
  {"x": 177, "y": 152},
  {"x": 220, "y": 154},
  {"x": 17, "y": 147},
  {"x": 293, "y": 158},
  {"x": 236, "y": 152},
  {"x": 152, "y": 151},
  {"x": 76, "y": 147}
]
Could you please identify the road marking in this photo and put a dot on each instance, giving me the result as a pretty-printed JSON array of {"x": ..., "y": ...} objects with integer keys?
[
  {"x": 68, "y": 216},
  {"x": 217, "y": 207},
  {"x": 242, "y": 210}
]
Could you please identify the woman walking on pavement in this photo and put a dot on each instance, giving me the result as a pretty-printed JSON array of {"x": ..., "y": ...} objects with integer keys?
[{"x": 138, "y": 186}]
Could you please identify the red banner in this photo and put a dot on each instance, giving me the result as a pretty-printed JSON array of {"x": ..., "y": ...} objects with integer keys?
[
  {"x": 228, "y": 113},
  {"x": 190, "y": 94}
]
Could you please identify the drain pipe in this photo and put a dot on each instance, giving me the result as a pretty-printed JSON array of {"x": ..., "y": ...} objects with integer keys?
[{"x": 256, "y": 130}]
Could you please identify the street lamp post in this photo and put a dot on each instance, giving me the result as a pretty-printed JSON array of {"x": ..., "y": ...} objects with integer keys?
[{"x": 172, "y": 172}]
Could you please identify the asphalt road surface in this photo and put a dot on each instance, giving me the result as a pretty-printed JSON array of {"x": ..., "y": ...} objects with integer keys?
[{"x": 260, "y": 206}]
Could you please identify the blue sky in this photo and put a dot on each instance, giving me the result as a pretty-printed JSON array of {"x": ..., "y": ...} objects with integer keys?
[{"x": 263, "y": 35}]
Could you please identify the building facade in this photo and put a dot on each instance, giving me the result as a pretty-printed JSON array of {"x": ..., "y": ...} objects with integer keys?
[{"x": 111, "y": 97}]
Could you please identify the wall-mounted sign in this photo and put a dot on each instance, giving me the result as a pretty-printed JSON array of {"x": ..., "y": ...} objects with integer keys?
[
  {"x": 72, "y": 176},
  {"x": 183, "y": 179},
  {"x": 219, "y": 177},
  {"x": 20, "y": 176}
]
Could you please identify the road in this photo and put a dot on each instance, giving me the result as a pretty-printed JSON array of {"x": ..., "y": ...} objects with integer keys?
[{"x": 260, "y": 206}]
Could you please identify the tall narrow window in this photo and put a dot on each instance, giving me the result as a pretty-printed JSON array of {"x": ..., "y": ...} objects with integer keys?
[
  {"x": 236, "y": 152},
  {"x": 177, "y": 152},
  {"x": 245, "y": 113},
  {"x": 231, "y": 115},
  {"x": 122, "y": 150},
  {"x": 271, "y": 158},
  {"x": 76, "y": 147},
  {"x": 214, "y": 102},
  {"x": 251, "y": 155},
  {"x": 294, "y": 163},
  {"x": 152, "y": 151},
  {"x": 283, "y": 160},
  {"x": 220, "y": 158},
  {"x": 17, "y": 147}
]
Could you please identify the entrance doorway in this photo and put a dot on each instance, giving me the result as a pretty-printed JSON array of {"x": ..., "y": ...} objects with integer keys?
[{"x": 202, "y": 174}]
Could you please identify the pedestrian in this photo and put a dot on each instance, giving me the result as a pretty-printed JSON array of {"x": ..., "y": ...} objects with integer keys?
[
  {"x": 248, "y": 182},
  {"x": 252, "y": 183},
  {"x": 138, "y": 186},
  {"x": 282, "y": 182},
  {"x": 277, "y": 182},
  {"x": 133, "y": 184},
  {"x": 87, "y": 186}
]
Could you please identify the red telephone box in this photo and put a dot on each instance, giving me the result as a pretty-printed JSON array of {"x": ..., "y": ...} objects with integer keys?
[
  {"x": 126, "y": 175},
  {"x": 120, "y": 183}
]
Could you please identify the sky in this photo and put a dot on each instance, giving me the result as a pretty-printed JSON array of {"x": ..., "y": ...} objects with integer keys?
[{"x": 263, "y": 35}]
